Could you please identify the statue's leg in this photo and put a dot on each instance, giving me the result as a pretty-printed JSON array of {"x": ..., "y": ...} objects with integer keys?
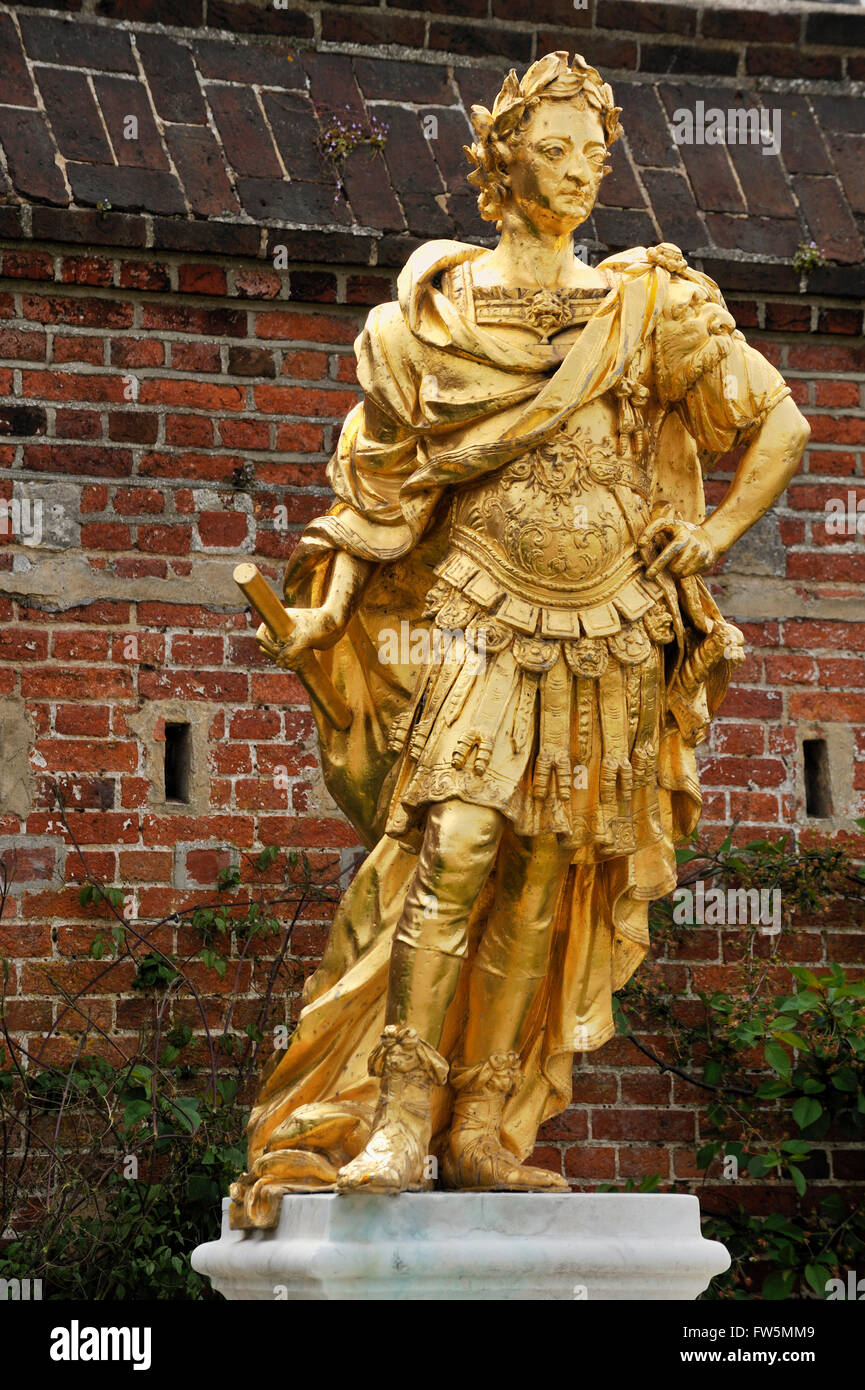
[
  {"x": 459, "y": 848},
  {"x": 511, "y": 963}
]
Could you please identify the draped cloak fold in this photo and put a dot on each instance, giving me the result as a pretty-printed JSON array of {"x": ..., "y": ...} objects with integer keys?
[{"x": 444, "y": 402}]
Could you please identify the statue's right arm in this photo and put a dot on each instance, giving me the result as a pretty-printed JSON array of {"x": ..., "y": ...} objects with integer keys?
[{"x": 318, "y": 628}]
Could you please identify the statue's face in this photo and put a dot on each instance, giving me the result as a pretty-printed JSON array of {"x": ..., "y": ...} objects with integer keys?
[{"x": 557, "y": 166}]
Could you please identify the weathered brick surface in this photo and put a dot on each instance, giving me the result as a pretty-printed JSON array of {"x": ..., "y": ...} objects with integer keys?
[
  {"x": 228, "y": 379},
  {"x": 172, "y": 388}
]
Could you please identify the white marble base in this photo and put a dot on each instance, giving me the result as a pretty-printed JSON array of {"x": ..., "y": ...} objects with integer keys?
[{"x": 468, "y": 1245}]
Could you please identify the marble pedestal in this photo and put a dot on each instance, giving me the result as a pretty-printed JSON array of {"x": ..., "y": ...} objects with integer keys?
[{"x": 467, "y": 1245}]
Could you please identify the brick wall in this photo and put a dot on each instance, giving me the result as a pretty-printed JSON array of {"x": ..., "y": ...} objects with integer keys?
[
  {"x": 163, "y": 390},
  {"x": 141, "y": 386}
]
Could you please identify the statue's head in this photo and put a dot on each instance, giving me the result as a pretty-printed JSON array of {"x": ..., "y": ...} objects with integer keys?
[{"x": 543, "y": 146}]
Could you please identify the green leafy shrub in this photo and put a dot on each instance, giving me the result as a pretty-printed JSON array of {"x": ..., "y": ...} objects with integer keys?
[
  {"x": 783, "y": 1070},
  {"x": 115, "y": 1168}
]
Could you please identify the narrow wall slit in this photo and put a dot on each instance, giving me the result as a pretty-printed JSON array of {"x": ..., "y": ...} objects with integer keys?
[
  {"x": 818, "y": 781},
  {"x": 178, "y": 761}
]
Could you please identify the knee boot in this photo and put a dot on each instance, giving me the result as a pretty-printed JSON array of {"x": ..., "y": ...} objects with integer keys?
[
  {"x": 475, "y": 1158},
  {"x": 395, "y": 1155}
]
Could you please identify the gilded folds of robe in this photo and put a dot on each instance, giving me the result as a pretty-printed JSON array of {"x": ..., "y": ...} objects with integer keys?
[{"x": 587, "y": 665}]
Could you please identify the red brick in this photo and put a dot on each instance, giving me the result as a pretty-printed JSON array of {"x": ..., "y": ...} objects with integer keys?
[
  {"x": 28, "y": 265},
  {"x": 144, "y": 275},
  {"x": 133, "y": 427},
  {"x": 145, "y": 865},
  {"x": 184, "y": 318},
  {"x": 165, "y": 540},
  {"x": 53, "y": 683},
  {"x": 822, "y": 705},
  {"x": 306, "y": 364},
  {"x": 72, "y": 386},
  {"x": 789, "y": 318},
  {"x": 87, "y": 270},
  {"x": 827, "y": 357},
  {"x": 23, "y": 644},
  {"x": 189, "y": 429},
  {"x": 85, "y": 755},
  {"x": 201, "y": 279},
  {"x": 193, "y": 685},
  {"x": 22, "y": 346},
  {"x": 837, "y": 392},
  {"x": 106, "y": 535},
  {"x": 77, "y": 424},
  {"x": 255, "y": 723},
  {"x": 245, "y": 434},
  {"x": 137, "y": 352},
  {"x": 839, "y": 321},
  {"x": 257, "y": 284},
  {"x": 297, "y": 437},
  {"x": 194, "y": 395},
  {"x": 92, "y": 720},
  {"x": 834, "y": 429},
  {"x": 290, "y": 400},
  {"x": 291, "y": 327},
  {"x": 222, "y": 530},
  {"x": 86, "y": 312},
  {"x": 79, "y": 644},
  {"x": 189, "y": 650},
  {"x": 138, "y": 500},
  {"x": 196, "y": 357}
]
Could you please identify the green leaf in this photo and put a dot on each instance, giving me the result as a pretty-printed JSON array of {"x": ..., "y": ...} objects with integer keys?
[
  {"x": 812, "y": 1087},
  {"x": 778, "y": 1284},
  {"x": 135, "y": 1111},
  {"x": 777, "y": 1058},
  {"x": 186, "y": 1108},
  {"x": 806, "y": 1110},
  {"x": 816, "y": 1276},
  {"x": 770, "y": 1090},
  {"x": 798, "y": 1179},
  {"x": 845, "y": 1079},
  {"x": 804, "y": 976}
]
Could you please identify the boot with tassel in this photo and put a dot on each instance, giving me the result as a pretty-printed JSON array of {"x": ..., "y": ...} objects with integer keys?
[
  {"x": 475, "y": 1159},
  {"x": 395, "y": 1156}
]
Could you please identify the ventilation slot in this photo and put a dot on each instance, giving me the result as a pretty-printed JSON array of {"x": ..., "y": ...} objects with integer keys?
[
  {"x": 178, "y": 761},
  {"x": 818, "y": 783}
]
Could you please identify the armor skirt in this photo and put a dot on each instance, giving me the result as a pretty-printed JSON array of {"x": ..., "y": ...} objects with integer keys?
[{"x": 560, "y": 735}]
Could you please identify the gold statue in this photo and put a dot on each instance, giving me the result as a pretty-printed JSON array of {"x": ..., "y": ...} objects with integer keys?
[{"x": 506, "y": 596}]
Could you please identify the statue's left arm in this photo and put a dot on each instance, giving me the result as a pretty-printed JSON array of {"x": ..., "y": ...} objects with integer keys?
[{"x": 726, "y": 394}]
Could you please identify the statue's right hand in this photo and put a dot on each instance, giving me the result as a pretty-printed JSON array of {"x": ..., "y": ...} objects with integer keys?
[{"x": 311, "y": 628}]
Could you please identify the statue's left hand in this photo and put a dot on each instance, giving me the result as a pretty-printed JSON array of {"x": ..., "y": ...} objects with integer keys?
[{"x": 689, "y": 549}]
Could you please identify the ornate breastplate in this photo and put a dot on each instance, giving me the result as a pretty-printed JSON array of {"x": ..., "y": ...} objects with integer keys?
[{"x": 549, "y": 519}]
